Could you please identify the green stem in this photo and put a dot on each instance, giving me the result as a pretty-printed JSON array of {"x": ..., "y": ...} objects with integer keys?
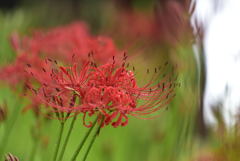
[
  {"x": 92, "y": 141},
  {"x": 8, "y": 131},
  {"x": 34, "y": 150},
  {"x": 67, "y": 138},
  {"x": 83, "y": 141},
  {"x": 58, "y": 142}
]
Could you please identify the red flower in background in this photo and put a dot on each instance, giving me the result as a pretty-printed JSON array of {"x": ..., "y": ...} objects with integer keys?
[
  {"x": 15, "y": 73},
  {"x": 140, "y": 26},
  {"x": 167, "y": 22},
  {"x": 62, "y": 42}
]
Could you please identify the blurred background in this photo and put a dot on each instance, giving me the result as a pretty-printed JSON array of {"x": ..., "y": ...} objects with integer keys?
[{"x": 200, "y": 37}]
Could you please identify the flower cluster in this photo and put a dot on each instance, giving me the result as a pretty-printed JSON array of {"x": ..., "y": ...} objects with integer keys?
[
  {"x": 61, "y": 42},
  {"x": 65, "y": 44},
  {"x": 58, "y": 44},
  {"x": 109, "y": 91},
  {"x": 76, "y": 85}
]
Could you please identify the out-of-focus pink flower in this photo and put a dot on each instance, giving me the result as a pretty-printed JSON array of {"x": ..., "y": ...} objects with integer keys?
[
  {"x": 168, "y": 22},
  {"x": 15, "y": 72},
  {"x": 139, "y": 26},
  {"x": 172, "y": 21},
  {"x": 62, "y": 42}
]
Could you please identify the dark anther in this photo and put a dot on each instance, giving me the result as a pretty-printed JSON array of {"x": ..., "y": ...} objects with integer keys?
[
  {"x": 45, "y": 95},
  {"x": 61, "y": 102},
  {"x": 29, "y": 65},
  {"x": 167, "y": 95},
  {"x": 27, "y": 86},
  {"x": 124, "y": 54},
  {"x": 44, "y": 70},
  {"x": 34, "y": 90},
  {"x": 163, "y": 86},
  {"x": 53, "y": 98}
]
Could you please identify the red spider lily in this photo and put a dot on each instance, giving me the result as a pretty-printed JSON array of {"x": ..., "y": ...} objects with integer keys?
[
  {"x": 59, "y": 86},
  {"x": 113, "y": 93},
  {"x": 110, "y": 91},
  {"x": 15, "y": 73},
  {"x": 58, "y": 44},
  {"x": 61, "y": 42}
]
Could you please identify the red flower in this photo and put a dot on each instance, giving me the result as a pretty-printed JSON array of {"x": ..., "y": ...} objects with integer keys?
[
  {"x": 113, "y": 92},
  {"x": 109, "y": 91},
  {"x": 59, "y": 86},
  {"x": 15, "y": 73},
  {"x": 62, "y": 42}
]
